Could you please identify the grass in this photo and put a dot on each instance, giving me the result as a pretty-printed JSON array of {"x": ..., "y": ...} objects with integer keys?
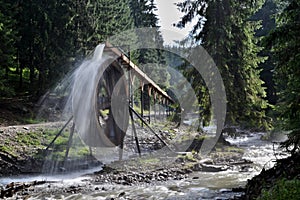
[
  {"x": 77, "y": 150},
  {"x": 6, "y": 148},
  {"x": 149, "y": 160},
  {"x": 33, "y": 120},
  {"x": 29, "y": 139},
  {"x": 282, "y": 190},
  {"x": 34, "y": 143}
]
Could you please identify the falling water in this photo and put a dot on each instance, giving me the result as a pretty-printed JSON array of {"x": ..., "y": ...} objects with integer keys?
[{"x": 75, "y": 96}]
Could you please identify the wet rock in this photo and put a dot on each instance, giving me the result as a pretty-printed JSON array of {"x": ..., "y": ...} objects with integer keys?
[
  {"x": 239, "y": 189},
  {"x": 212, "y": 168},
  {"x": 208, "y": 161},
  {"x": 225, "y": 190},
  {"x": 121, "y": 194},
  {"x": 179, "y": 160},
  {"x": 231, "y": 131},
  {"x": 197, "y": 167},
  {"x": 221, "y": 198},
  {"x": 244, "y": 168},
  {"x": 12, "y": 188}
]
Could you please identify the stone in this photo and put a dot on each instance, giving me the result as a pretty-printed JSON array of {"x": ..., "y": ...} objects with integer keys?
[
  {"x": 208, "y": 161},
  {"x": 121, "y": 194}
]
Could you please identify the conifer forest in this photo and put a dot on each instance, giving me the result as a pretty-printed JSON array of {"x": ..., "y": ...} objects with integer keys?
[{"x": 255, "y": 46}]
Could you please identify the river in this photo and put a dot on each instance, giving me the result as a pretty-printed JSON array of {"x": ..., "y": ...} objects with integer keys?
[{"x": 198, "y": 185}]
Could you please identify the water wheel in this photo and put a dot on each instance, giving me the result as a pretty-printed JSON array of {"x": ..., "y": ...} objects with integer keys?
[
  {"x": 112, "y": 104},
  {"x": 99, "y": 103}
]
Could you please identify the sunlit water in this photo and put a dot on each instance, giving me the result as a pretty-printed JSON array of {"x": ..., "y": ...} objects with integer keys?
[
  {"x": 59, "y": 177},
  {"x": 199, "y": 185}
]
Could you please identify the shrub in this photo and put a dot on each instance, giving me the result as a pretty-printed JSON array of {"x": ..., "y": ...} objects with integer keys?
[{"x": 283, "y": 189}]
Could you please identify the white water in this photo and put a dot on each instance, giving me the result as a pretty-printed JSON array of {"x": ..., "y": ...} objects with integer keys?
[
  {"x": 83, "y": 99},
  {"x": 199, "y": 185},
  {"x": 70, "y": 177}
]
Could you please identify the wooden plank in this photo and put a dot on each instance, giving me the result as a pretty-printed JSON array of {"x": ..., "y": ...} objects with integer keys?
[{"x": 137, "y": 71}]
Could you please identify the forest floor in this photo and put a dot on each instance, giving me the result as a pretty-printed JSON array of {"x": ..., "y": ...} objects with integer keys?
[{"x": 15, "y": 112}]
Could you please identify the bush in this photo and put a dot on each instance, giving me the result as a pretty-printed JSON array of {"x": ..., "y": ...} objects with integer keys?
[
  {"x": 283, "y": 189},
  {"x": 6, "y": 91}
]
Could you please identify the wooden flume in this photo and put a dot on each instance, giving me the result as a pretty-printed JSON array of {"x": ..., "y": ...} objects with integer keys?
[{"x": 114, "y": 76}]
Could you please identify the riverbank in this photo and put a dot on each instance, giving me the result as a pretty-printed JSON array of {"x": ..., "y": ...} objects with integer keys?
[
  {"x": 147, "y": 171},
  {"x": 184, "y": 174},
  {"x": 24, "y": 144},
  {"x": 280, "y": 182}
]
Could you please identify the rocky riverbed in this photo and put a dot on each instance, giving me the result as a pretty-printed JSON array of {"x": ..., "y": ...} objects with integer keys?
[{"x": 169, "y": 175}]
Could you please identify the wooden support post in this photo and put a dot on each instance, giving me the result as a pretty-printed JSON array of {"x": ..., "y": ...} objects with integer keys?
[
  {"x": 154, "y": 106},
  {"x": 91, "y": 151},
  {"x": 149, "y": 100},
  {"x": 131, "y": 98},
  {"x": 69, "y": 142},
  {"x": 59, "y": 133},
  {"x": 121, "y": 150},
  {"x": 142, "y": 101},
  {"x": 165, "y": 108},
  {"x": 132, "y": 110},
  {"x": 134, "y": 131},
  {"x": 159, "y": 109},
  {"x": 130, "y": 88}
]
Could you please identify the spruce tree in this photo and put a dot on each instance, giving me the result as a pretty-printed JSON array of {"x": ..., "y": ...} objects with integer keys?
[
  {"x": 284, "y": 42},
  {"x": 152, "y": 61},
  {"x": 54, "y": 34},
  {"x": 267, "y": 17},
  {"x": 8, "y": 38},
  {"x": 225, "y": 31}
]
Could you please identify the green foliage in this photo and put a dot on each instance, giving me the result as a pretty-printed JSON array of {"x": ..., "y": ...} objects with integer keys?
[
  {"x": 5, "y": 90},
  {"x": 28, "y": 139},
  {"x": 225, "y": 31},
  {"x": 266, "y": 15},
  {"x": 284, "y": 42},
  {"x": 282, "y": 190},
  {"x": 151, "y": 61},
  {"x": 8, "y": 38},
  {"x": 41, "y": 40},
  {"x": 6, "y": 148}
]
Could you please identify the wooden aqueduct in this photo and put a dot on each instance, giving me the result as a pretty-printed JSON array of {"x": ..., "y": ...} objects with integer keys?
[{"x": 118, "y": 79}]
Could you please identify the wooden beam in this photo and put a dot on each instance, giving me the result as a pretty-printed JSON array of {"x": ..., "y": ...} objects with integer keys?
[{"x": 136, "y": 70}]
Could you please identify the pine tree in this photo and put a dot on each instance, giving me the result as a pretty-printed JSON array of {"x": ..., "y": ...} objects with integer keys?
[
  {"x": 46, "y": 42},
  {"x": 8, "y": 38},
  {"x": 285, "y": 45},
  {"x": 144, "y": 17},
  {"x": 95, "y": 21},
  {"x": 225, "y": 31},
  {"x": 54, "y": 34},
  {"x": 267, "y": 17}
]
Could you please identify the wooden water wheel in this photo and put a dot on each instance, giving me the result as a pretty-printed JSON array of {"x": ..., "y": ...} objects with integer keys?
[
  {"x": 100, "y": 107},
  {"x": 112, "y": 105}
]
